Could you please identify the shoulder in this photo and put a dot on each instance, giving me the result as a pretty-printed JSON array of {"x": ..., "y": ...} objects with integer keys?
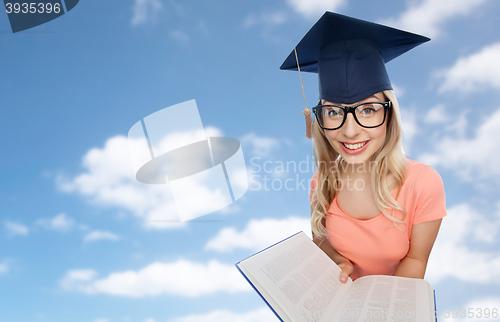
[
  {"x": 420, "y": 174},
  {"x": 426, "y": 191}
]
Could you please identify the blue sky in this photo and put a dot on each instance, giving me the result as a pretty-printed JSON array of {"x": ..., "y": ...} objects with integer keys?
[{"x": 76, "y": 248}]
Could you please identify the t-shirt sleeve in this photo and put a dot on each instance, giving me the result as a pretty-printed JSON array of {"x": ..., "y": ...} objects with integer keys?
[
  {"x": 431, "y": 200},
  {"x": 314, "y": 183}
]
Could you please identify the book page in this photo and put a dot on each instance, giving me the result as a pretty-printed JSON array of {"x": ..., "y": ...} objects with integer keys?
[
  {"x": 386, "y": 298},
  {"x": 299, "y": 277}
]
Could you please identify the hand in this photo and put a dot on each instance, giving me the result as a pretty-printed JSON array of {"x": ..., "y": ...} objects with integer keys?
[{"x": 347, "y": 269}]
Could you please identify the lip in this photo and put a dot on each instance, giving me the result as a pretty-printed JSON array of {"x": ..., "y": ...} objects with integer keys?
[
  {"x": 359, "y": 150},
  {"x": 355, "y": 142}
]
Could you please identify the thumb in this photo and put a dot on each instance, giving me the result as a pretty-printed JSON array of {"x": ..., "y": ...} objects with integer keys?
[{"x": 347, "y": 270}]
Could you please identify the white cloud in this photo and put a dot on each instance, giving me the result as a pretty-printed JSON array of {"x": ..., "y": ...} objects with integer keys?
[
  {"x": 96, "y": 235},
  {"x": 428, "y": 16},
  {"x": 260, "y": 315},
  {"x": 472, "y": 158},
  {"x": 60, "y": 222},
  {"x": 176, "y": 140},
  {"x": 258, "y": 234},
  {"x": 475, "y": 73},
  {"x": 410, "y": 127},
  {"x": 184, "y": 138},
  {"x": 145, "y": 10},
  {"x": 180, "y": 278},
  {"x": 108, "y": 179},
  {"x": 437, "y": 115},
  {"x": 4, "y": 267},
  {"x": 398, "y": 90},
  {"x": 315, "y": 8},
  {"x": 460, "y": 125},
  {"x": 74, "y": 278},
  {"x": 452, "y": 256},
  {"x": 261, "y": 145},
  {"x": 14, "y": 228}
]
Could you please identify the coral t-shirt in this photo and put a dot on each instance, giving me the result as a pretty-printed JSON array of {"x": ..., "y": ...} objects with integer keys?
[{"x": 375, "y": 246}]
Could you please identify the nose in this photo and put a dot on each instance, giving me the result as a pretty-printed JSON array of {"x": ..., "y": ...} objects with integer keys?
[{"x": 351, "y": 128}]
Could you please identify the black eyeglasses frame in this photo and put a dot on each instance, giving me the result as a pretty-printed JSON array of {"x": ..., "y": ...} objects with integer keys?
[{"x": 349, "y": 109}]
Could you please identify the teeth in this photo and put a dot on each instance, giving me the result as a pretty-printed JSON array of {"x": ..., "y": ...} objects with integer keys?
[{"x": 354, "y": 146}]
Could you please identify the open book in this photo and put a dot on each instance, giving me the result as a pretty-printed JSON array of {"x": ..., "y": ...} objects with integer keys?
[{"x": 299, "y": 282}]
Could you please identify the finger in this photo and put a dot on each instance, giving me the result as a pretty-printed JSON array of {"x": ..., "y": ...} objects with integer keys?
[{"x": 346, "y": 272}]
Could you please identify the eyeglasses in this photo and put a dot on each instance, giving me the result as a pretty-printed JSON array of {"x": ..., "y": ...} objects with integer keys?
[{"x": 368, "y": 115}]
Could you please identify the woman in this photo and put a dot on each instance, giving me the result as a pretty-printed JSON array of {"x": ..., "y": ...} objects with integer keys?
[{"x": 373, "y": 211}]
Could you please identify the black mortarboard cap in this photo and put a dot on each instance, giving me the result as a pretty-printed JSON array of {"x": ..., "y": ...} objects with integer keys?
[{"x": 349, "y": 56}]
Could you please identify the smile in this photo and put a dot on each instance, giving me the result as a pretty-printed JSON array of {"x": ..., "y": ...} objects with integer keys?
[{"x": 354, "y": 148}]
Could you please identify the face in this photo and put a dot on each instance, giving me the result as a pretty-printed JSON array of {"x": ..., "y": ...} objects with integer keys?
[{"x": 353, "y": 142}]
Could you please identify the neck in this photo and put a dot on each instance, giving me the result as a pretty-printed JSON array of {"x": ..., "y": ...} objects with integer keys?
[{"x": 357, "y": 170}]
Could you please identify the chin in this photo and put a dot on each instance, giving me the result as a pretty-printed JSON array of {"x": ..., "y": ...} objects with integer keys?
[{"x": 352, "y": 159}]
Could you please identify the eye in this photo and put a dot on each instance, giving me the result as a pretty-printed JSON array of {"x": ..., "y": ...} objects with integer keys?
[
  {"x": 331, "y": 111},
  {"x": 368, "y": 110}
]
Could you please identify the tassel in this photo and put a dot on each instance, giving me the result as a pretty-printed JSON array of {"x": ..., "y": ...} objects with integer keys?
[{"x": 307, "y": 113}]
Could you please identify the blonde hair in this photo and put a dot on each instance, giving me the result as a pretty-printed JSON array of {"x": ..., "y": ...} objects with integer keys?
[{"x": 390, "y": 158}]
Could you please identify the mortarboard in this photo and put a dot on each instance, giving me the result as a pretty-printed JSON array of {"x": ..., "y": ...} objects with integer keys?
[{"x": 349, "y": 56}]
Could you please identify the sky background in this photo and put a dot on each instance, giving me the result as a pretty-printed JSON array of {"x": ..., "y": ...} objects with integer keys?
[{"x": 76, "y": 247}]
